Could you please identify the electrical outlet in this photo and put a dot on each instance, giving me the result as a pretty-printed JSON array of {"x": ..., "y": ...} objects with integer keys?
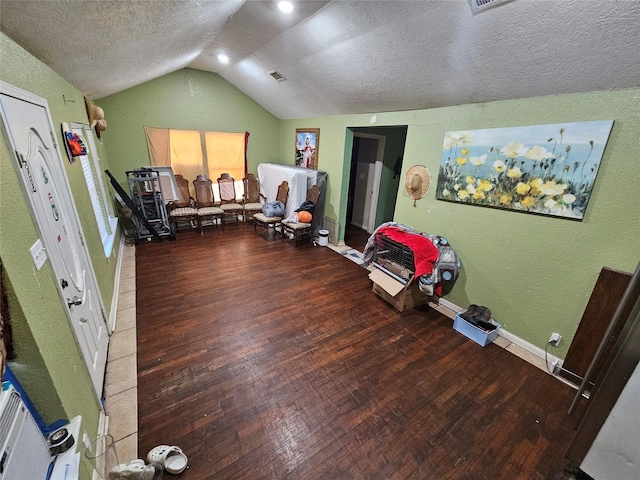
[
  {"x": 39, "y": 254},
  {"x": 555, "y": 339}
]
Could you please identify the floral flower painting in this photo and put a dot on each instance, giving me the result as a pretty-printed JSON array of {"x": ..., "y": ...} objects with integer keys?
[{"x": 543, "y": 169}]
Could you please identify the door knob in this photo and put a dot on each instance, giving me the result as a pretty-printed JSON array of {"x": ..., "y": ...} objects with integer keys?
[{"x": 75, "y": 301}]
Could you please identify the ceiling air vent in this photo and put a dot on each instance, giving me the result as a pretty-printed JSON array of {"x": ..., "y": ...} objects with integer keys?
[
  {"x": 478, "y": 6},
  {"x": 277, "y": 75}
]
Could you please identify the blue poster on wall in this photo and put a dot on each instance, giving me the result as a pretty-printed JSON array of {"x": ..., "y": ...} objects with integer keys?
[{"x": 544, "y": 169}]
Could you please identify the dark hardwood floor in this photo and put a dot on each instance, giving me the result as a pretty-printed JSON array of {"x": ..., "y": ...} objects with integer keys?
[{"x": 262, "y": 361}]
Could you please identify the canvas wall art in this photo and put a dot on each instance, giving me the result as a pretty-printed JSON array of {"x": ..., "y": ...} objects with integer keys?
[
  {"x": 543, "y": 169},
  {"x": 307, "y": 144}
]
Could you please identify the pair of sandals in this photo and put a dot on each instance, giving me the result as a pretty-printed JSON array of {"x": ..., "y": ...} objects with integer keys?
[
  {"x": 479, "y": 316},
  {"x": 165, "y": 458}
]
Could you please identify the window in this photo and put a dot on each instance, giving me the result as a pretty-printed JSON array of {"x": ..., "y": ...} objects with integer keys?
[
  {"x": 102, "y": 208},
  {"x": 194, "y": 152},
  {"x": 225, "y": 153}
]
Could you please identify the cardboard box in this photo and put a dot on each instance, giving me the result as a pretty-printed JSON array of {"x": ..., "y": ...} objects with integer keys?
[
  {"x": 401, "y": 296},
  {"x": 478, "y": 335}
]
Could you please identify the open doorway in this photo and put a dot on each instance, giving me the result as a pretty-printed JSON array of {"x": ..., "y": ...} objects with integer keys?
[{"x": 376, "y": 161}]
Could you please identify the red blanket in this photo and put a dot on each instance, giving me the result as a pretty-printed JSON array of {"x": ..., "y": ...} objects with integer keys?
[{"x": 425, "y": 253}]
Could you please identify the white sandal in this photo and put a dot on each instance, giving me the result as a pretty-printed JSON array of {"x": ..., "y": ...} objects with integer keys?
[
  {"x": 133, "y": 470},
  {"x": 171, "y": 458}
]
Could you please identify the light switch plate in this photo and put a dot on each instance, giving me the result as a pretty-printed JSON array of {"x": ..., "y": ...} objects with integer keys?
[{"x": 39, "y": 254}]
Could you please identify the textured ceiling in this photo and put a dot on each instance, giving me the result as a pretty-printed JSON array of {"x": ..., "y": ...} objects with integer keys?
[{"x": 340, "y": 56}]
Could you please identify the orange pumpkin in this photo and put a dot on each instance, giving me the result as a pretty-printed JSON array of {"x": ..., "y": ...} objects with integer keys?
[{"x": 304, "y": 217}]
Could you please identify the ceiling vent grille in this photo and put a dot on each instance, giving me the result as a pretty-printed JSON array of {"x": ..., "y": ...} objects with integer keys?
[
  {"x": 478, "y": 6},
  {"x": 277, "y": 76}
]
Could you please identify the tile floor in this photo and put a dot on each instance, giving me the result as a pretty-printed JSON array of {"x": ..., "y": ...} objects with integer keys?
[
  {"x": 121, "y": 380},
  {"x": 121, "y": 383}
]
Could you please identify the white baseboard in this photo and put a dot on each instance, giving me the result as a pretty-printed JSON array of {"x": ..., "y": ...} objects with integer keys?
[
  {"x": 537, "y": 351},
  {"x": 103, "y": 429},
  {"x": 451, "y": 310},
  {"x": 116, "y": 288}
]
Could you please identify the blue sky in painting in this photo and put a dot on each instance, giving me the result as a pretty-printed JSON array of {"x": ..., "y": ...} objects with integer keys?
[{"x": 575, "y": 133}]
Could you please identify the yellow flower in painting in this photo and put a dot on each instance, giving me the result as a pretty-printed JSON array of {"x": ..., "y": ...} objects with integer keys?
[
  {"x": 499, "y": 166},
  {"x": 470, "y": 179},
  {"x": 514, "y": 172},
  {"x": 478, "y": 195},
  {"x": 461, "y": 160},
  {"x": 551, "y": 188},
  {"x": 456, "y": 187},
  {"x": 528, "y": 201},
  {"x": 445, "y": 193},
  {"x": 535, "y": 185},
  {"x": 464, "y": 151},
  {"x": 568, "y": 198},
  {"x": 514, "y": 150},
  {"x": 485, "y": 185},
  {"x": 463, "y": 194},
  {"x": 477, "y": 161},
  {"x": 522, "y": 188},
  {"x": 505, "y": 199}
]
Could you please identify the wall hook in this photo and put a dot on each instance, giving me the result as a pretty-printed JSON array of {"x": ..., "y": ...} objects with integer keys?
[{"x": 67, "y": 101}]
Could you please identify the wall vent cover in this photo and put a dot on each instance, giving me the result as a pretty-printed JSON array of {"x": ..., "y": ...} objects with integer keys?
[
  {"x": 277, "y": 75},
  {"x": 478, "y": 6}
]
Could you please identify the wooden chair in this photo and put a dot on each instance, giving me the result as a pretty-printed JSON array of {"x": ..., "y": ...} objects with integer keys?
[
  {"x": 205, "y": 203},
  {"x": 251, "y": 203},
  {"x": 270, "y": 223},
  {"x": 297, "y": 230},
  {"x": 228, "y": 202},
  {"x": 184, "y": 209}
]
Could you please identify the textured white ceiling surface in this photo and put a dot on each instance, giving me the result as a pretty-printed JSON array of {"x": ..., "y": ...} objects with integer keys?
[{"x": 340, "y": 57}]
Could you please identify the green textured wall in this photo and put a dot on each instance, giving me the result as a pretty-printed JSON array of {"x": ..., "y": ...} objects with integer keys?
[
  {"x": 48, "y": 365},
  {"x": 190, "y": 100},
  {"x": 535, "y": 273}
]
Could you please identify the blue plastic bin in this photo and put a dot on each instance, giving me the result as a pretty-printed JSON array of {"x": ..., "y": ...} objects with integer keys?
[{"x": 478, "y": 335}]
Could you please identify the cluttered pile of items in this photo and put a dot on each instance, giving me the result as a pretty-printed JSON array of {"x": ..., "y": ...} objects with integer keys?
[{"x": 411, "y": 266}]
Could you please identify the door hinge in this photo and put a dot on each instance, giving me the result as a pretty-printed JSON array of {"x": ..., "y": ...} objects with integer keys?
[
  {"x": 53, "y": 139},
  {"x": 81, "y": 238}
]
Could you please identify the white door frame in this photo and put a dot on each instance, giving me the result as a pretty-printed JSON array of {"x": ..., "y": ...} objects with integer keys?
[
  {"x": 62, "y": 178},
  {"x": 377, "y": 177}
]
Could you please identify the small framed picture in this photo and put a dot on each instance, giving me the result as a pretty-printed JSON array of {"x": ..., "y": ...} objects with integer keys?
[{"x": 307, "y": 144}]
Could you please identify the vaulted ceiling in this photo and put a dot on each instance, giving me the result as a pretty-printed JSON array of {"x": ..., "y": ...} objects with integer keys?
[{"x": 339, "y": 57}]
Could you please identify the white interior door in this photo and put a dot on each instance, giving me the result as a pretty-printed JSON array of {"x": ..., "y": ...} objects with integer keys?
[
  {"x": 30, "y": 132},
  {"x": 362, "y": 192}
]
